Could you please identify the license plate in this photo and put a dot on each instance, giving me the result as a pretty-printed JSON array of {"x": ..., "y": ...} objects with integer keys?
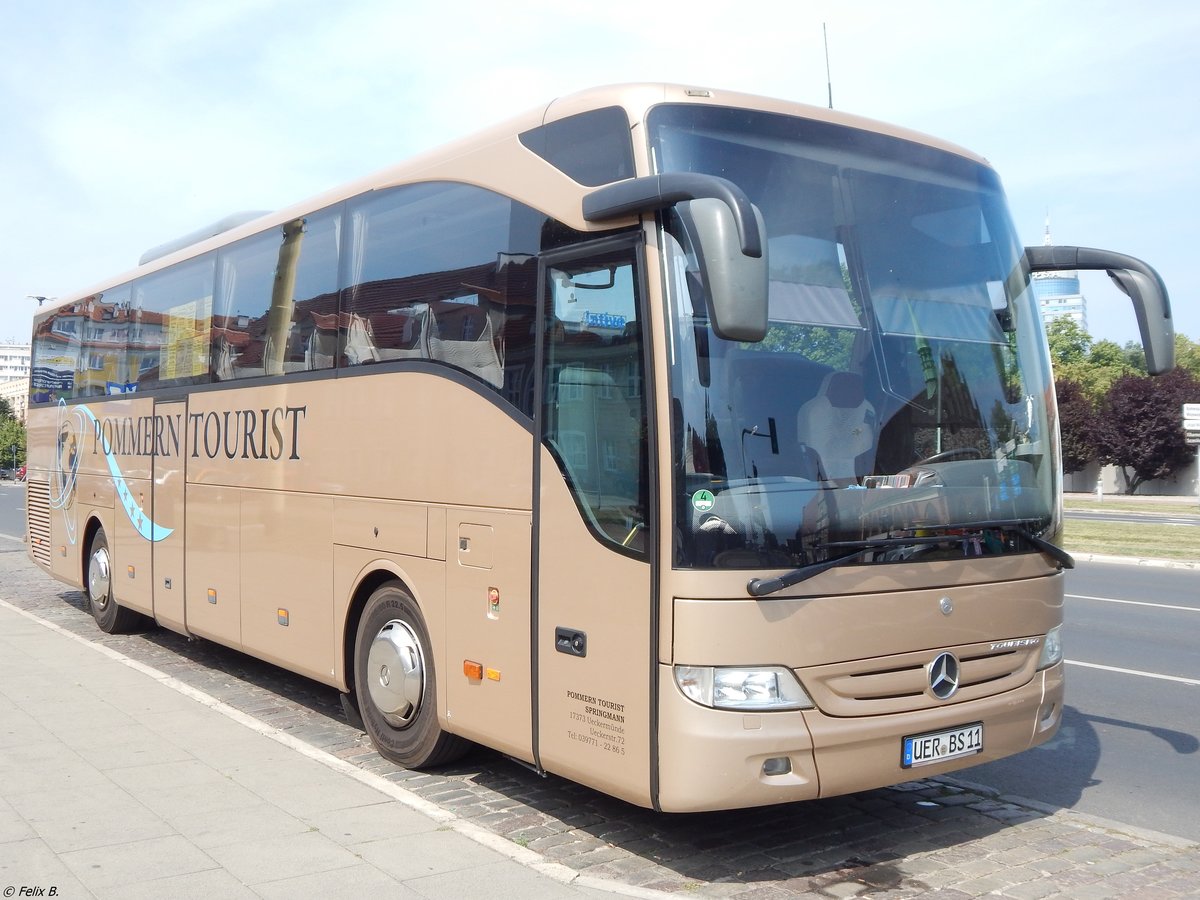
[{"x": 938, "y": 746}]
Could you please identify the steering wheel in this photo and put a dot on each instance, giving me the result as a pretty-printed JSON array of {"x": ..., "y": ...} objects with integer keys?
[{"x": 947, "y": 455}]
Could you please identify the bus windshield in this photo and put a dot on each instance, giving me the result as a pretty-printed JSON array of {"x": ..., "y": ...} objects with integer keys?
[{"x": 903, "y": 389}]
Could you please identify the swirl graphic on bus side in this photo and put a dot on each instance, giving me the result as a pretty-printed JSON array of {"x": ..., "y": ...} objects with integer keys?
[
  {"x": 72, "y": 428},
  {"x": 66, "y": 465}
]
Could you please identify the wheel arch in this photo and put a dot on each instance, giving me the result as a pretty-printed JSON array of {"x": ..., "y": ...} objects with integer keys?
[
  {"x": 93, "y": 524},
  {"x": 370, "y": 579}
]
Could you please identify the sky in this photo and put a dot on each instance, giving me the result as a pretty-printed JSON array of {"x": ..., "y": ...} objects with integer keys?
[{"x": 127, "y": 123}]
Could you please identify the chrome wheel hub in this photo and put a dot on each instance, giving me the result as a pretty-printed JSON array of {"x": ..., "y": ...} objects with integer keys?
[
  {"x": 396, "y": 673},
  {"x": 99, "y": 578}
]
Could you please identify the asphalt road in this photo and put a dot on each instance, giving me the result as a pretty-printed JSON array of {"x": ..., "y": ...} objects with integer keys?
[
  {"x": 1129, "y": 746},
  {"x": 12, "y": 511},
  {"x": 1184, "y": 520}
]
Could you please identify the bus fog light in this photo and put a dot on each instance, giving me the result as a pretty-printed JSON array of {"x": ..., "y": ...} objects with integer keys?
[
  {"x": 696, "y": 683},
  {"x": 726, "y": 687},
  {"x": 1047, "y": 716},
  {"x": 1052, "y": 648},
  {"x": 777, "y": 765}
]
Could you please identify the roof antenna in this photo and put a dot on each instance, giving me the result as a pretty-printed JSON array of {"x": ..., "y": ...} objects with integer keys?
[{"x": 828, "y": 77}]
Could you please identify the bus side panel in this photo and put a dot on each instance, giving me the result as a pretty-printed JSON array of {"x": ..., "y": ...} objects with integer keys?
[
  {"x": 96, "y": 491},
  {"x": 133, "y": 573},
  {"x": 94, "y": 499},
  {"x": 214, "y": 563},
  {"x": 167, "y": 537},
  {"x": 487, "y": 604},
  {"x": 594, "y": 709},
  {"x": 287, "y": 580}
]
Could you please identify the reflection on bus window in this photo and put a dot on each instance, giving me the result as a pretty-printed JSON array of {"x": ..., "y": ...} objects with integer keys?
[
  {"x": 595, "y": 411},
  {"x": 277, "y": 292}
]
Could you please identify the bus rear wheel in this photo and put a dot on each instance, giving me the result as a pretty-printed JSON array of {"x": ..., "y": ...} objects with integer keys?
[
  {"x": 395, "y": 683},
  {"x": 111, "y": 617}
]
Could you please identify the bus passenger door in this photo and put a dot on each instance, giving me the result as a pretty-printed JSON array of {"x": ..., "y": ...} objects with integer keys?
[
  {"x": 594, "y": 612},
  {"x": 165, "y": 530}
]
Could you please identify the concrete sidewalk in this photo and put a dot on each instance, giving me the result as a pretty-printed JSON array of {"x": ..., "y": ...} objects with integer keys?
[{"x": 119, "y": 781}]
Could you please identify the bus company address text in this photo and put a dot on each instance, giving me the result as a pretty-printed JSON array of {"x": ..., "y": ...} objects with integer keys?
[{"x": 597, "y": 722}]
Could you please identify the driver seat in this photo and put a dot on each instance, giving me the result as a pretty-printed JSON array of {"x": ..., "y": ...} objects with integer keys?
[{"x": 839, "y": 424}]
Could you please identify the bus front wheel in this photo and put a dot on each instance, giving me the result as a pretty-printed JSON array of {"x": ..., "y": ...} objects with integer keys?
[
  {"x": 112, "y": 618},
  {"x": 395, "y": 682}
]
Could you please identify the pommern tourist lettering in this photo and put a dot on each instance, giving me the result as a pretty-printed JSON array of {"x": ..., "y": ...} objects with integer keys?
[
  {"x": 272, "y": 433},
  {"x": 248, "y": 433}
]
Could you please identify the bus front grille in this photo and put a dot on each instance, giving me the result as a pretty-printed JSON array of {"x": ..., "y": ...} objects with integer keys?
[
  {"x": 37, "y": 502},
  {"x": 896, "y": 684}
]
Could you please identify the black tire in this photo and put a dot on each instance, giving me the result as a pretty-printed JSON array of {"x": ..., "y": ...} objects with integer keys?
[
  {"x": 98, "y": 584},
  {"x": 395, "y": 683}
]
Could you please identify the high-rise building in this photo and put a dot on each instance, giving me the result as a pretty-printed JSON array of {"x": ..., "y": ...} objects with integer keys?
[
  {"x": 1058, "y": 293},
  {"x": 14, "y": 361},
  {"x": 14, "y": 377}
]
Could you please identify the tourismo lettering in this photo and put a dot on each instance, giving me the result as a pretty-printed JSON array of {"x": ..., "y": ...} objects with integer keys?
[{"x": 271, "y": 433}]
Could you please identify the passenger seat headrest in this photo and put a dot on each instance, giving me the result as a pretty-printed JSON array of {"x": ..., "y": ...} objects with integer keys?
[{"x": 844, "y": 390}]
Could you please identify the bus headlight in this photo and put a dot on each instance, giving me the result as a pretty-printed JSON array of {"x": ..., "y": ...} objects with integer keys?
[
  {"x": 750, "y": 689},
  {"x": 1052, "y": 649}
]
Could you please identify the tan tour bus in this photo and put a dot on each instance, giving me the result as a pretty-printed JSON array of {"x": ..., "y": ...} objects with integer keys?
[{"x": 694, "y": 446}]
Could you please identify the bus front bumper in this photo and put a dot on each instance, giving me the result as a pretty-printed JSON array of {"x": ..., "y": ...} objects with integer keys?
[{"x": 716, "y": 759}]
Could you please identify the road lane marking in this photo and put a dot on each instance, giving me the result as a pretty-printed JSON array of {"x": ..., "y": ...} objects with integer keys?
[
  {"x": 1134, "y": 602},
  {"x": 1075, "y": 662}
]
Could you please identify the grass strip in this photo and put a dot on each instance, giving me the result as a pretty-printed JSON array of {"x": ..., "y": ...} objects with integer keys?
[
  {"x": 1181, "y": 507},
  {"x": 1140, "y": 539}
]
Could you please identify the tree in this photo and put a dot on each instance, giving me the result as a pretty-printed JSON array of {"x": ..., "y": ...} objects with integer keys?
[
  {"x": 12, "y": 434},
  {"x": 1077, "y": 425},
  {"x": 1139, "y": 427},
  {"x": 1069, "y": 343},
  {"x": 1093, "y": 365},
  {"x": 6, "y": 412},
  {"x": 1106, "y": 362},
  {"x": 1187, "y": 354},
  {"x": 1135, "y": 355}
]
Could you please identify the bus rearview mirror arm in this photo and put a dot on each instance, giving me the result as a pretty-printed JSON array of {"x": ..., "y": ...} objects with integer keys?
[
  {"x": 727, "y": 230},
  {"x": 654, "y": 192},
  {"x": 1136, "y": 279}
]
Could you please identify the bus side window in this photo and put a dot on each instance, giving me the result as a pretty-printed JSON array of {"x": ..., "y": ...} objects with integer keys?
[
  {"x": 172, "y": 324},
  {"x": 275, "y": 291},
  {"x": 436, "y": 274},
  {"x": 595, "y": 410}
]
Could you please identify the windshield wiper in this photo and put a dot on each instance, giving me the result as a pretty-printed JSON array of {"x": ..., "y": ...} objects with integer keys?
[
  {"x": 1017, "y": 526},
  {"x": 761, "y": 587}
]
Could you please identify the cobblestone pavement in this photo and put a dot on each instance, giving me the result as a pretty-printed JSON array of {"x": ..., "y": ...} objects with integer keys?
[{"x": 938, "y": 837}]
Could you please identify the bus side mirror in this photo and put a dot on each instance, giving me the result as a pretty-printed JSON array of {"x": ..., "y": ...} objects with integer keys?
[
  {"x": 737, "y": 283},
  {"x": 728, "y": 231},
  {"x": 1137, "y": 280}
]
